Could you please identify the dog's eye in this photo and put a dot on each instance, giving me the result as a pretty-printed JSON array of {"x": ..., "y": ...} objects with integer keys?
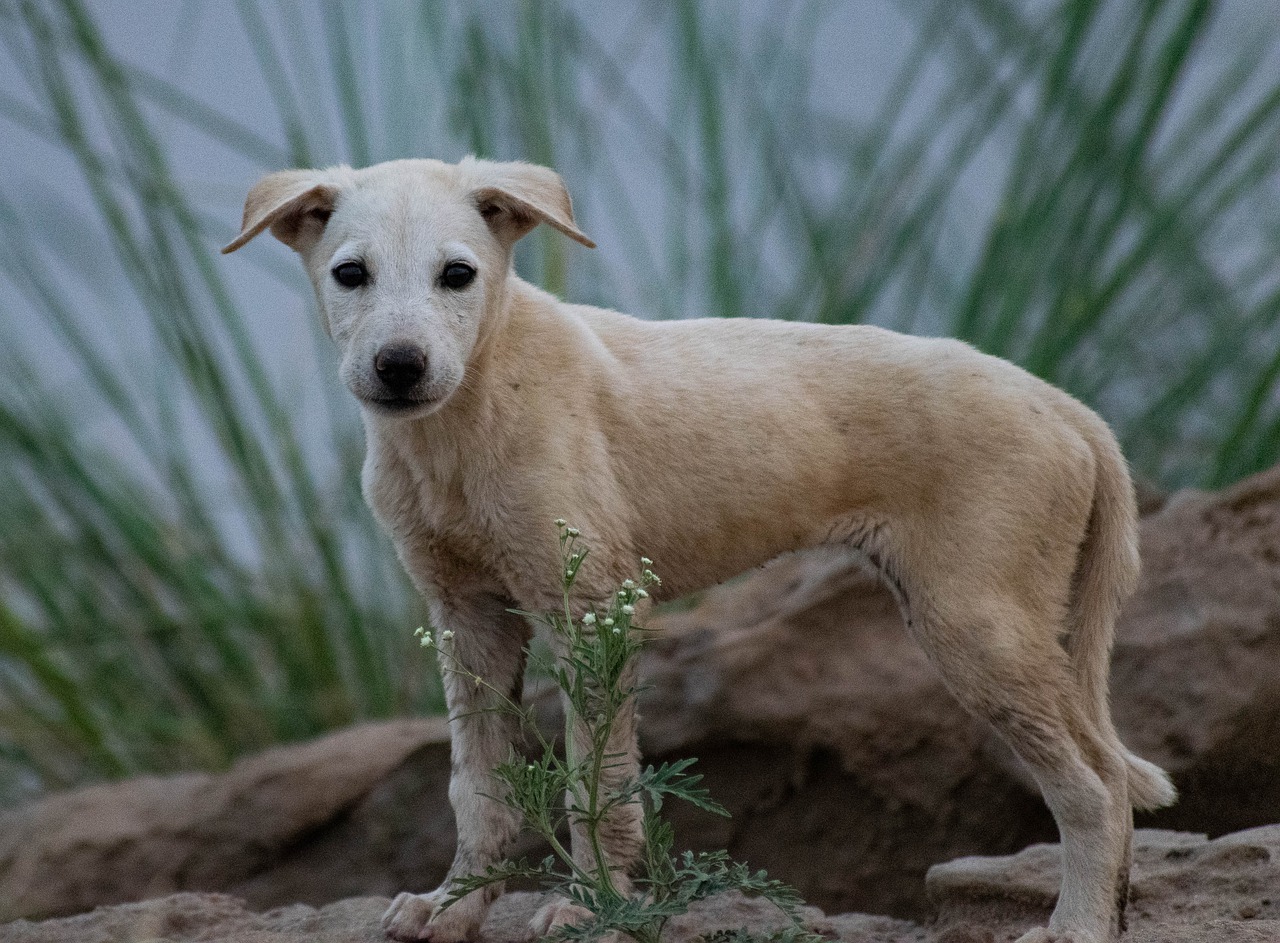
[
  {"x": 457, "y": 275},
  {"x": 350, "y": 274}
]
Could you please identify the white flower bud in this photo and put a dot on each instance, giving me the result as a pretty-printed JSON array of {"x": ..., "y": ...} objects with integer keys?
[
  {"x": 628, "y": 610},
  {"x": 561, "y": 522},
  {"x": 573, "y": 531},
  {"x": 589, "y": 619},
  {"x": 642, "y": 594},
  {"x": 446, "y": 635},
  {"x": 628, "y": 584},
  {"x": 645, "y": 561},
  {"x": 617, "y": 631},
  {"x": 607, "y": 622}
]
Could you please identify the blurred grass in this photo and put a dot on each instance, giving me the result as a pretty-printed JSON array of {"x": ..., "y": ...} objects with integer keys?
[{"x": 1076, "y": 185}]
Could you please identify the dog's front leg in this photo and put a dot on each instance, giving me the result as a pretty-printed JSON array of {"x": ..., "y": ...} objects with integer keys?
[
  {"x": 482, "y": 653},
  {"x": 618, "y": 839}
]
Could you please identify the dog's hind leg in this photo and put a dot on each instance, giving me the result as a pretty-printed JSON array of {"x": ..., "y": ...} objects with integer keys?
[
  {"x": 1004, "y": 664},
  {"x": 482, "y": 661}
]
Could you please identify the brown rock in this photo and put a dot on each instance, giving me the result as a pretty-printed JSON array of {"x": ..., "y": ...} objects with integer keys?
[
  {"x": 211, "y": 918},
  {"x": 270, "y": 813},
  {"x": 1186, "y": 889},
  {"x": 847, "y": 766},
  {"x": 1194, "y": 678},
  {"x": 818, "y": 722},
  {"x": 215, "y": 918}
]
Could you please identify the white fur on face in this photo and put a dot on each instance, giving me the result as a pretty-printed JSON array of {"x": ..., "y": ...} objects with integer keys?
[{"x": 405, "y": 226}]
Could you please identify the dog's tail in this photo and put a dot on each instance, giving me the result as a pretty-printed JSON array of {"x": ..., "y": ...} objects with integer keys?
[{"x": 1107, "y": 575}]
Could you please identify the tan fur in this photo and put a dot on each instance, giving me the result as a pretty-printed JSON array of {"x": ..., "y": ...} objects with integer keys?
[{"x": 998, "y": 508}]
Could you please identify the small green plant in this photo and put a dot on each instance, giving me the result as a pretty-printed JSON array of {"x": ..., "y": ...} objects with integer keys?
[{"x": 551, "y": 792}]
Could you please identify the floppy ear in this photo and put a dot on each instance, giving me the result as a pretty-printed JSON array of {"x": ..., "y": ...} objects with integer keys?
[
  {"x": 514, "y": 197},
  {"x": 295, "y": 204}
]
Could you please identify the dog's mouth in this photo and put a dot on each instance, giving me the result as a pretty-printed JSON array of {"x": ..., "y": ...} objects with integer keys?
[{"x": 397, "y": 405}]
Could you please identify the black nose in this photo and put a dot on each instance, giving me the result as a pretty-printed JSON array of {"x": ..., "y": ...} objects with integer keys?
[{"x": 400, "y": 366}]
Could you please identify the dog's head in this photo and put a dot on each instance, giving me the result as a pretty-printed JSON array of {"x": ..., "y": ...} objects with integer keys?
[{"x": 410, "y": 261}]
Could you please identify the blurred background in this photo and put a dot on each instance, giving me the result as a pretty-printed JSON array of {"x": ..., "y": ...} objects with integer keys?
[{"x": 187, "y": 571}]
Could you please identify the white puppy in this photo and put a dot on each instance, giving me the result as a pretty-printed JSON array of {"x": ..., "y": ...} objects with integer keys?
[{"x": 997, "y": 508}]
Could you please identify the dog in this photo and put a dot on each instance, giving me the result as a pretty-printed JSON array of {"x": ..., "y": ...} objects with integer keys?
[{"x": 998, "y": 509}]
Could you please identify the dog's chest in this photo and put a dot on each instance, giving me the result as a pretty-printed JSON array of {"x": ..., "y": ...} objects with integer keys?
[{"x": 450, "y": 530}]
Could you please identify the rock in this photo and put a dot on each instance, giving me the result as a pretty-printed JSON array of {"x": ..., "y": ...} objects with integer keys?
[
  {"x": 810, "y": 759},
  {"x": 847, "y": 766},
  {"x": 208, "y": 917},
  {"x": 1194, "y": 680},
  {"x": 217, "y": 918},
  {"x": 1186, "y": 889},
  {"x": 286, "y": 813},
  {"x": 818, "y": 722}
]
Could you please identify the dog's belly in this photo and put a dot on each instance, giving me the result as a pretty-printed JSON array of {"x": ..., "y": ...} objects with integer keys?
[{"x": 703, "y": 538}]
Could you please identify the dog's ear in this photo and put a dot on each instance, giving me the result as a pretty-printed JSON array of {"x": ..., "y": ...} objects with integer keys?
[
  {"x": 514, "y": 197},
  {"x": 295, "y": 204}
]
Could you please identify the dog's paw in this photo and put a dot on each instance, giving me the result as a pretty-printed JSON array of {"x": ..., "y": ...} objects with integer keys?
[
  {"x": 1045, "y": 935},
  {"x": 555, "y": 913},
  {"x": 560, "y": 911},
  {"x": 420, "y": 917}
]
